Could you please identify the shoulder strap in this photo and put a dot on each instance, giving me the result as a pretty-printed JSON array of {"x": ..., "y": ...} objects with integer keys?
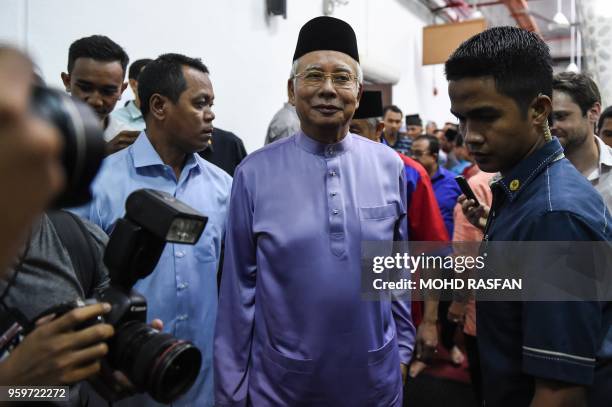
[{"x": 77, "y": 241}]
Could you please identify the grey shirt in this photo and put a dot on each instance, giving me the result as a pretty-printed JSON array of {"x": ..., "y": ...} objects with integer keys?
[
  {"x": 285, "y": 123},
  {"x": 47, "y": 277}
]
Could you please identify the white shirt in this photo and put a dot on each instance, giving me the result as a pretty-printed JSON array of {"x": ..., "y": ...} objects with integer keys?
[
  {"x": 114, "y": 127},
  {"x": 601, "y": 177}
]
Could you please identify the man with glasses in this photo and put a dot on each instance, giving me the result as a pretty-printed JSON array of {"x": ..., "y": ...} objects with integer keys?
[
  {"x": 292, "y": 327},
  {"x": 425, "y": 150}
]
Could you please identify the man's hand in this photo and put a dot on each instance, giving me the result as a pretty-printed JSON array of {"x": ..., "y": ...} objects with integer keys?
[
  {"x": 30, "y": 166},
  {"x": 426, "y": 340},
  {"x": 456, "y": 312},
  {"x": 122, "y": 140},
  {"x": 476, "y": 214},
  {"x": 404, "y": 370},
  {"x": 55, "y": 354}
]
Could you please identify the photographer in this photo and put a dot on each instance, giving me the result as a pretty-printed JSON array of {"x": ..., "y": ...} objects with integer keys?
[
  {"x": 54, "y": 270},
  {"x": 29, "y": 155}
]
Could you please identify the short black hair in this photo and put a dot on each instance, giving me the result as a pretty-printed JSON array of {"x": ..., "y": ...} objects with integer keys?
[
  {"x": 451, "y": 134},
  {"x": 137, "y": 66},
  {"x": 392, "y": 108},
  {"x": 434, "y": 144},
  {"x": 164, "y": 76},
  {"x": 99, "y": 48},
  {"x": 518, "y": 60},
  {"x": 606, "y": 114},
  {"x": 580, "y": 87}
]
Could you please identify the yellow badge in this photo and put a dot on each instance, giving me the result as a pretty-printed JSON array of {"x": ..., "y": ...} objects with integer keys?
[{"x": 515, "y": 184}]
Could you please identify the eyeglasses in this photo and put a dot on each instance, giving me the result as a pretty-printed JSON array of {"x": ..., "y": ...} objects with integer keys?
[
  {"x": 417, "y": 153},
  {"x": 343, "y": 80}
]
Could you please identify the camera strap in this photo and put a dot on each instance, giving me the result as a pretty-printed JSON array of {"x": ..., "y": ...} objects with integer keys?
[{"x": 77, "y": 240}]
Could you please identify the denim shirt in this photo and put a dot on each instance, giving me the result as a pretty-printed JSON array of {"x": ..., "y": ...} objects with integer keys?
[{"x": 544, "y": 198}]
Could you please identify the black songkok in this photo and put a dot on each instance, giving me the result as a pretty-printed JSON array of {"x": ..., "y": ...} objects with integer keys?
[
  {"x": 370, "y": 105},
  {"x": 326, "y": 34}
]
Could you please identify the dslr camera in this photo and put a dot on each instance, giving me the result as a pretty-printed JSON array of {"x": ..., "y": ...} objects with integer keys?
[{"x": 158, "y": 363}]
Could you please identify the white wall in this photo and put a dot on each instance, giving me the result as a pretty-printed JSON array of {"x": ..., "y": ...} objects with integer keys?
[{"x": 248, "y": 53}]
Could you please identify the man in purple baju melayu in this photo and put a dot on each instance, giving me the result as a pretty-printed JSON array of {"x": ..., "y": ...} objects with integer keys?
[{"x": 292, "y": 327}]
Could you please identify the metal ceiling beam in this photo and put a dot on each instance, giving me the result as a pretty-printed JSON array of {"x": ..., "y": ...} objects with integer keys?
[{"x": 518, "y": 9}]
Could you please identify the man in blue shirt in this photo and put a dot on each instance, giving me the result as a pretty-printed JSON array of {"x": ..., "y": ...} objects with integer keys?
[
  {"x": 425, "y": 150},
  {"x": 532, "y": 353},
  {"x": 176, "y": 96}
]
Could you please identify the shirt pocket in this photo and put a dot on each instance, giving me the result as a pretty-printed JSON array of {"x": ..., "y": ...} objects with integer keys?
[{"x": 378, "y": 222}]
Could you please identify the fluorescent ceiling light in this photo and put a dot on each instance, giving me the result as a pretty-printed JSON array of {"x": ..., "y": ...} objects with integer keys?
[
  {"x": 560, "y": 19},
  {"x": 572, "y": 67}
]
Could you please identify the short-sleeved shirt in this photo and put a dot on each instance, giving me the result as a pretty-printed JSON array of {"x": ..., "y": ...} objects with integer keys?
[{"x": 544, "y": 198}]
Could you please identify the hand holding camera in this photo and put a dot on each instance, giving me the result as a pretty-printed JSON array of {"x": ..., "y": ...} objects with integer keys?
[{"x": 57, "y": 352}]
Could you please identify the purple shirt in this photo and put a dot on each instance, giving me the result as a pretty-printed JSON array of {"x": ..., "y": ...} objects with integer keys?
[{"x": 292, "y": 325}]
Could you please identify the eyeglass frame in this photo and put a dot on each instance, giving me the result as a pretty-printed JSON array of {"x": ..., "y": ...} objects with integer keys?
[{"x": 329, "y": 75}]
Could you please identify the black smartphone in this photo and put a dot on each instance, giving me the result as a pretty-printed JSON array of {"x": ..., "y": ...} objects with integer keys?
[{"x": 465, "y": 188}]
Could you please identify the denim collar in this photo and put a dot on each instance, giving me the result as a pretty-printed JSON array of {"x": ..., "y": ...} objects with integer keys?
[
  {"x": 326, "y": 150},
  {"x": 528, "y": 169}
]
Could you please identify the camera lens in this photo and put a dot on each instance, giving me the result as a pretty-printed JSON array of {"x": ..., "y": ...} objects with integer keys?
[
  {"x": 83, "y": 139},
  {"x": 160, "y": 364}
]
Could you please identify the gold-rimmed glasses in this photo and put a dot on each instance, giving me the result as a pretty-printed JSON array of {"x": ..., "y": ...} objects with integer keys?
[{"x": 343, "y": 80}]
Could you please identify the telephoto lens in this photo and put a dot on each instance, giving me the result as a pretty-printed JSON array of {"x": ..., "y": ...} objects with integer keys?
[
  {"x": 83, "y": 139},
  {"x": 158, "y": 363}
]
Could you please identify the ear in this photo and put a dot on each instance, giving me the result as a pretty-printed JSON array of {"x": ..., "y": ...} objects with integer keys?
[
  {"x": 594, "y": 112},
  {"x": 66, "y": 80},
  {"x": 380, "y": 126},
  {"x": 158, "y": 106},
  {"x": 133, "y": 84},
  {"x": 123, "y": 86},
  {"x": 359, "y": 93},
  {"x": 540, "y": 109},
  {"x": 291, "y": 91}
]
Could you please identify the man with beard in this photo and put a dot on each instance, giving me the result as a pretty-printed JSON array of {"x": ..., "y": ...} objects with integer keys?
[
  {"x": 293, "y": 328},
  {"x": 96, "y": 73},
  {"x": 576, "y": 108}
]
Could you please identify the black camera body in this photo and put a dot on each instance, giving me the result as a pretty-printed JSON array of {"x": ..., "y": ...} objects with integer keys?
[{"x": 155, "y": 362}]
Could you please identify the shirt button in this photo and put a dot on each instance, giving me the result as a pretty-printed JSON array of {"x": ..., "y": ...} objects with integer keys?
[
  {"x": 332, "y": 173},
  {"x": 330, "y": 150},
  {"x": 182, "y": 286},
  {"x": 180, "y": 254},
  {"x": 182, "y": 317},
  {"x": 333, "y": 194},
  {"x": 335, "y": 211}
]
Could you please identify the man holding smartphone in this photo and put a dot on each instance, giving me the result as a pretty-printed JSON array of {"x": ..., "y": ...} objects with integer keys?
[{"x": 500, "y": 86}]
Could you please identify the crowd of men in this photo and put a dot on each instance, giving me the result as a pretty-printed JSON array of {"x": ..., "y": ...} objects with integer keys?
[{"x": 271, "y": 293}]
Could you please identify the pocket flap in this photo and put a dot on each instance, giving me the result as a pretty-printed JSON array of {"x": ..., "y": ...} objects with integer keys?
[{"x": 379, "y": 212}]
